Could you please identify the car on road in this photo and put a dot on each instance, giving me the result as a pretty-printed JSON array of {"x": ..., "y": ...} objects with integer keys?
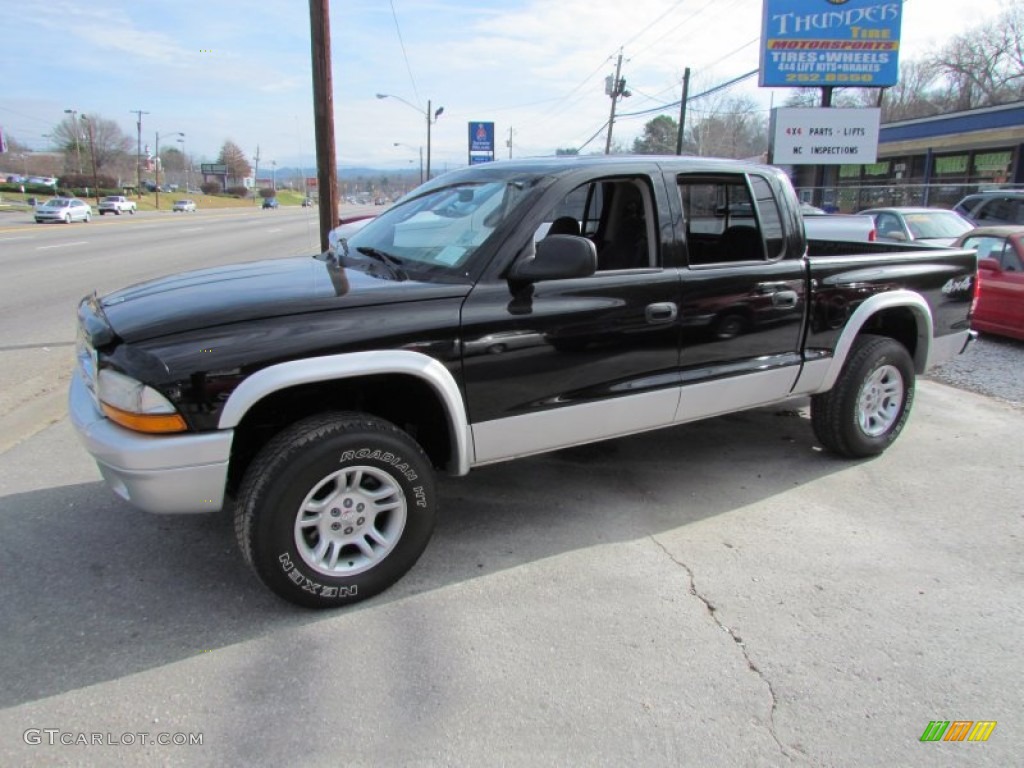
[
  {"x": 64, "y": 209},
  {"x": 1000, "y": 306},
  {"x": 307, "y": 202},
  {"x": 993, "y": 207},
  {"x": 116, "y": 204},
  {"x": 934, "y": 226},
  {"x": 270, "y": 202},
  {"x": 185, "y": 206}
]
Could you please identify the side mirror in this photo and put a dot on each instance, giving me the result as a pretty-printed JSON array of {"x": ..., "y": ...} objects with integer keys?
[
  {"x": 990, "y": 265},
  {"x": 558, "y": 257},
  {"x": 896, "y": 235}
]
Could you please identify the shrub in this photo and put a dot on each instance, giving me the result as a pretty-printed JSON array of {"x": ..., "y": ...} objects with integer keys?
[
  {"x": 239, "y": 192},
  {"x": 210, "y": 187},
  {"x": 267, "y": 192}
]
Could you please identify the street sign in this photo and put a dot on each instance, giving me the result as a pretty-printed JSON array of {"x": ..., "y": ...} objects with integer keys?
[{"x": 214, "y": 169}]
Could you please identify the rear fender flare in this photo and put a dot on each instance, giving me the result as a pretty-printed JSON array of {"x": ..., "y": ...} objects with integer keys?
[{"x": 882, "y": 301}]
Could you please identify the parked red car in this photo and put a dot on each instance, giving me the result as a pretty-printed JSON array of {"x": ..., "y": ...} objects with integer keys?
[{"x": 1000, "y": 308}]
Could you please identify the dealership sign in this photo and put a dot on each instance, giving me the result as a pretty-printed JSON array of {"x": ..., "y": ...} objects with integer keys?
[
  {"x": 824, "y": 136},
  {"x": 818, "y": 43}
]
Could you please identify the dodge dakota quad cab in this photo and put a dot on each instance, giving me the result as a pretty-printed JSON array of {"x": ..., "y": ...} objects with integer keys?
[
  {"x": 499, "y": 311},
  {"x": 117, "y": 204}
]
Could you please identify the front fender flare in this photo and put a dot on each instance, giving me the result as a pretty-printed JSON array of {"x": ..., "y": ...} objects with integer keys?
[{"x": 345, "y": 366}]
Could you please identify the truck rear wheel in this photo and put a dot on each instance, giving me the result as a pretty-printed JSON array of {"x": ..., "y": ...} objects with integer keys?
[
  {"x": 870, "y": 403},
  {"x": 336, "y": 509}
]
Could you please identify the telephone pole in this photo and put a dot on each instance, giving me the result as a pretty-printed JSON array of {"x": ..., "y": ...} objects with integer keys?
[
  {"x": 682, "y": 110},
  {"x": 256, "y": 176},
  {"x": 616, "y": 88},
  {"x": 138, "y": 152}
]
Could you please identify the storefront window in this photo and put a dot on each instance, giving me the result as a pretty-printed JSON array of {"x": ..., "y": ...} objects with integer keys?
[{"x": 950, "y": 165}]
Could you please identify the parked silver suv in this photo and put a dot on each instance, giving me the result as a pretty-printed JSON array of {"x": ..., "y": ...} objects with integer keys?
[{"x": 997, "y": 206}]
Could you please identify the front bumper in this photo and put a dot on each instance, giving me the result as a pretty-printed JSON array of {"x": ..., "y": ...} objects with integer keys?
[{"x": 168, "y": 474}]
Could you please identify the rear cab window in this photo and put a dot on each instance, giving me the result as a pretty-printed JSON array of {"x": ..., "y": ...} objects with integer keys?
[{"x": 730, "y": 218}]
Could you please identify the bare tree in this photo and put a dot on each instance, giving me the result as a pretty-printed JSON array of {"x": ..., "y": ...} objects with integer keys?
[
  {"x": 727, "y": 127},
  {"x": 234, "y": 158},
  {"x": 984, "y": 65},
  {"x": 108, "y": 142}
]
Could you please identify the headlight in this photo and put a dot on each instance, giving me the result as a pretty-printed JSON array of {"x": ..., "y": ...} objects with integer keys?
[{"x": 132, "y": 404}]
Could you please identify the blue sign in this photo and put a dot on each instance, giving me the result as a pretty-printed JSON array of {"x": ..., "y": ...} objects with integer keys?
[
  {"x": 481, "y": 137},
  {"x": 819, "y": 43}
]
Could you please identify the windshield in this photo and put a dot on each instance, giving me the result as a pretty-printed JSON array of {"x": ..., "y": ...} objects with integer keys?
[
  {"x": 439, "y": 231},
  {"x": 924, "y": 226},
  {"x": 111, "y": 199},
  {"x": 56, "y": 203}
]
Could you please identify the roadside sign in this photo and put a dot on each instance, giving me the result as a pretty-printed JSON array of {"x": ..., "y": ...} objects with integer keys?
[
  {"x": 824, "y": 136},
  {"x": 820, "y": 43}
]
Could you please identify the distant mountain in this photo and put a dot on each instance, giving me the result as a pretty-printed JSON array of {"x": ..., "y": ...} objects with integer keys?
[{"x": 350, "y": 173}]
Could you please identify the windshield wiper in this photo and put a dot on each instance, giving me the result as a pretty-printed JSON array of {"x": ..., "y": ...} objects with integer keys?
[{"x": 387, "y": 259}]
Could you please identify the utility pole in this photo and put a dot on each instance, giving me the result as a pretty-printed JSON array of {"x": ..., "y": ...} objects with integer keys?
[
  {"x": 616, "y": 88},
  {"x": 255, "y": 176},
  {"x": 92, "y": 154},
  {"x": 682, "y": 110},
  {"x": 323, "y": 117},
  {"x": 138, "y": 151},
  {"x": 509, "y": 142}
]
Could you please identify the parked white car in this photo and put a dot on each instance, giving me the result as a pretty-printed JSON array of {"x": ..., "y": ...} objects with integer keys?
[
  {"x": 185, "y": 206},
  {"x": 65, "y": 209}
]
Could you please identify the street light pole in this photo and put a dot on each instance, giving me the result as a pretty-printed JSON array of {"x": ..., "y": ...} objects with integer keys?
[
  {"x": 156, "y": 174},
  {"x": 92, "y": 155},
  {"x": 400, "y": 144},
  {"x": 188, "y": 165},
  {"x": 431, "y": 116},
  {"x": 138, "y": 152},
  {"x": 74, "y": 127}
]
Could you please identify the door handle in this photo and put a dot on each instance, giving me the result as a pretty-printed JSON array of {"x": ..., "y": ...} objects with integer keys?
[
  {"x": 784, "y": 299},
  {"x": 662, "y": 312}
]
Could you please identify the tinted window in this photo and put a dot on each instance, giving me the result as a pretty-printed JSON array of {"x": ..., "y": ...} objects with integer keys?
[{"x": 721, "y": 221}]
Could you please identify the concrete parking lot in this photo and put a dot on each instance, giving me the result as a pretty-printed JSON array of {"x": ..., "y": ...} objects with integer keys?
[{"x": 722, "y": 593}]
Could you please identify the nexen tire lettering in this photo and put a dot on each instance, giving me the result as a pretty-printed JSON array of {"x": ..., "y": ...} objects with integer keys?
[
  {"x": 383, "y": 456},
  {"x": 313, "y": 587}
]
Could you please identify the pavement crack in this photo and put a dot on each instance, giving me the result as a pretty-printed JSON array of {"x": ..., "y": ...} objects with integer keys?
[{"x": 712, "y": 611}]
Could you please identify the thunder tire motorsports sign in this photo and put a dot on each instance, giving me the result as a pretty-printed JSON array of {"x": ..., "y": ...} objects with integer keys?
[{"x": 815, "y": 43}]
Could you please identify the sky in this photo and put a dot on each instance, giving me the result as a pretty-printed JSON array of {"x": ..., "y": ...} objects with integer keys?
[{"x": 225, "y": 69}]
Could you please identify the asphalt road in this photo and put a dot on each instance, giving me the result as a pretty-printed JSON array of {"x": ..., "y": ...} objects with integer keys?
[
  {"x": 721, "y": 593},
  {"x": 716, "y": 594},
  {"x": 45, "y": 269}
]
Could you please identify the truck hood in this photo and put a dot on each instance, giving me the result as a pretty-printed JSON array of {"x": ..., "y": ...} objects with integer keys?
[{"x": 261, "y": 289}]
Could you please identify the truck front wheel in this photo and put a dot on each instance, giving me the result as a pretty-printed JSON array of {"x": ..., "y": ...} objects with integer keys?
[
  {"x": 870, "y": 403},
  {"x": 335, "y": 509}
]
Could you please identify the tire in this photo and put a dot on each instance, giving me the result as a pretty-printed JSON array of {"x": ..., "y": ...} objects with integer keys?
[
  {"x": 88, "y": 218},
  {"x": 117, "y": 211},
  {"x": 870, "y": 403},
  {"x": 298, "y": 520},
  {"x": 131, "y": 211},
  {"x": 67, "y": 218}
]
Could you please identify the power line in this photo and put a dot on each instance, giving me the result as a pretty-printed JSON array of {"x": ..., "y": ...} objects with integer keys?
[
  {"x": 708, "y": 92},
  {"x": 405, "y": 56}
]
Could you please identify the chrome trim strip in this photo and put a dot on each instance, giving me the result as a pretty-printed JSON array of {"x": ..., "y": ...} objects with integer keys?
[
  {"x": 912, "y": 301},
  {"x": 156, "y": 473},
  {"x": 350, "y": 365},
  {"x": 541, "y": 431}
]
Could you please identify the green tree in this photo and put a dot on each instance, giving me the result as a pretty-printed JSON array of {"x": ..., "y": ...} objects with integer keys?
[{"x": 659, "y": 137}]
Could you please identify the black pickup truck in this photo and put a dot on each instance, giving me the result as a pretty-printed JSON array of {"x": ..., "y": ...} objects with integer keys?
[{"x": 499, "y": 311}]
